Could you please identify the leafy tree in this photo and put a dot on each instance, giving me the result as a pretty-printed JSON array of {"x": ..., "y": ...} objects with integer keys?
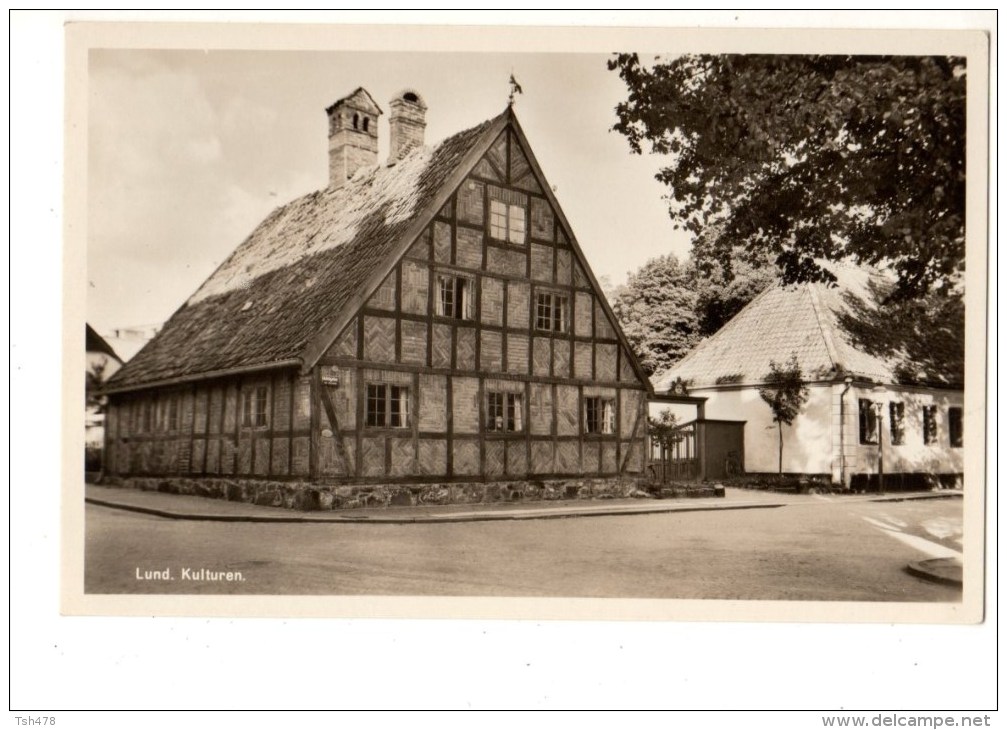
[
  {"x": 94, "y": 381},
  {"x": 662, "y": 429},
  {"x": 657, "y": 310},
  {"x": 810, "y": 157},
  {"x": 722, "y": 294},
  {"x": 785, "y": 393},
  {"x": 666, "y": 307}
]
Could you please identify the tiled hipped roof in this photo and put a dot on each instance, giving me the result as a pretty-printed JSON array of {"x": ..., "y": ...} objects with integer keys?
[
  {"x": 298, "y": 270},
  {"x": 804, "y": 320}
]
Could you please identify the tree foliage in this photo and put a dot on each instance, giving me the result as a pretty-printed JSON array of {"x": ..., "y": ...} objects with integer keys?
[
  {"x": 94, "y": 381},
  {"x": 657, "y": 310},
  {"x": 809, "y": 158},
  {"x": 666, "y": 307},
  {"x": 663, "y": 429},
  {"x": 785, "y": 393},
  {"x": 722, "y": 294},
  {"x": 924, "y": 337}
]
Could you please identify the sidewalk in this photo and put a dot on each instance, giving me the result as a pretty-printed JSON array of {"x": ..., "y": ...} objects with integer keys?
[{"x": 183, "y": 507}]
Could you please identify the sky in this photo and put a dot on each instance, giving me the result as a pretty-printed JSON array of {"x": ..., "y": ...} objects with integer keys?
[{"x": 189, "y": 150}]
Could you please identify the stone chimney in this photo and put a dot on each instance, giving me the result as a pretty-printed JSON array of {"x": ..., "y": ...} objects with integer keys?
[
  {"x": 353, "y": 136},
  {"x": 406, "y": 124}
]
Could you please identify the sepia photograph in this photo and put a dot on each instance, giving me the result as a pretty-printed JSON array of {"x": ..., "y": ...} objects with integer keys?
[
  {"x": 503, "y": 360},
  {"x": 554, "y": 325}
]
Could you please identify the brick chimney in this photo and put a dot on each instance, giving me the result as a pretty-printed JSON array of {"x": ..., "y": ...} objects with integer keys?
[
  {"x": 406, "y": 124},
  {"x": 353, "y": 135}
]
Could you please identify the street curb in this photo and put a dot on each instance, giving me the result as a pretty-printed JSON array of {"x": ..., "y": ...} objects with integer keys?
[
  {"x": 367, "y": 519},
  {"x": 912, "y": 497},
  {"x": 947, "y": 571}
]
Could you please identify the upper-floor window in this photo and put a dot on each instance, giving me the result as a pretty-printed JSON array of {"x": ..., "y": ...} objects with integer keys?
[
  {"x": 897, "y": 422},
  {"x": 387, "y": 406},
  {"x": 507, "y": 221},
  {"x": 929, "y": 424},
  {"x": 955, "y": 426},
  {"x": 504, "y": 412},
  {"x": 550, "y": 312},
  {"x": 600, "y": 415},
  {"x": 454, "y": 296},
  {"x": 868, "y": 422},
  {"x": 254, "y": 406}
]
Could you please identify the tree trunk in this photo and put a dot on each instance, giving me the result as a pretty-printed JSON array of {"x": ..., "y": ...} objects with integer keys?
[{"x": 779, "y": 426}]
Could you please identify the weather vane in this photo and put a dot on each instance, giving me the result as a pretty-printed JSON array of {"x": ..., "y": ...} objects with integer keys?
[{"x": 515, "y": 88}]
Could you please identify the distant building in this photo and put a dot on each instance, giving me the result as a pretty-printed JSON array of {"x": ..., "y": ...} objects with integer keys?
[
  {"x": 864, "y": 411},
  {"x": 102, "y": 363},
  {"x": 428, "y": 319},
  {"x": 128, "y": 341}
]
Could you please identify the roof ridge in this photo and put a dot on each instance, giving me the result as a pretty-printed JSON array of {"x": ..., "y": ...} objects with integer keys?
[
  {"x": 705, "y": 343},
  {"x": 826, "y": 330}
]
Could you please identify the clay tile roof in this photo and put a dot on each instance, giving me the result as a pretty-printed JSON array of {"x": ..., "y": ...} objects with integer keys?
[
  {"x": 298, "y": 270},
  {"x": 808, "y": 320}
]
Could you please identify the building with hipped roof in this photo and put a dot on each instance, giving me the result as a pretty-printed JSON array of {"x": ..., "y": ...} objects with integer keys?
[{"x": 875, "y": 402}]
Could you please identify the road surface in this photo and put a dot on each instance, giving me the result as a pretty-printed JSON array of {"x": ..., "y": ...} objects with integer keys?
[{"x": 824, "y": 548}]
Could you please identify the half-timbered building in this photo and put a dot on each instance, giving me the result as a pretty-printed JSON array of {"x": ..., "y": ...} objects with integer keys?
[{"x": 428, "y": 319}]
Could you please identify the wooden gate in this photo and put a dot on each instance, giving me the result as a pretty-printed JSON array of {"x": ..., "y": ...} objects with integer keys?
[{"x": 699, "y": 450}]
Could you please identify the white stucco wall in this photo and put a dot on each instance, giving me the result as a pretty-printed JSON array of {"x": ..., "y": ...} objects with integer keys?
[
  {"x": 814, "y": 442},
  {"x": 807, "y": 443},
  {"x": 913, "y": 455}
]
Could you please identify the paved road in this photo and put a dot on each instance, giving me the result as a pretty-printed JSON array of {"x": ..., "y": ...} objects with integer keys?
[{"x": 825, "y": 548}]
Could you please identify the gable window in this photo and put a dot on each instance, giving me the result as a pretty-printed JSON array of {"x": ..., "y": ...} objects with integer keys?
[
  {"x": 897, "y": 422},
  {"x": 868, "y": 422},
  {"x": 454, "y": 296},
  {"x": 504, "y": 412},
  {"x": 507, "y": 221},
  {"x": 600, "y": 415},
  {"x": 254, "y": 406},
  {"x": 387, "y": 406},
  {"x": 955, "y": 426},
  {"x": 929, "y": 424},
  {"x": 550, "y": 312}
]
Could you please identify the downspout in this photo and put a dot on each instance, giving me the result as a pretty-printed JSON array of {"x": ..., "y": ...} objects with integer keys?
[{"x": 842, "y": 431}]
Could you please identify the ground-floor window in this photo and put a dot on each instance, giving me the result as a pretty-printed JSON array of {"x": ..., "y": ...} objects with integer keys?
[
  {"x": 254, "y": 406},
  {"x": 929, "y": 424},
  {"x": 504, "y": 412},
  {"x": 955, "y": 426},
  {"x": 599, "y": 415},
  {"x": 387, "y": 406},
  {"x": 868, "y": 422},
  {"x": 897, "y": 422}
]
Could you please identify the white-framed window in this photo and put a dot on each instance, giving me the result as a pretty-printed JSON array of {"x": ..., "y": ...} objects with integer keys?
[
  {"x": 599, "y": 416},
  {"x": 550, "y": 312},
  {"x": 507, "y": 221},
  {"x": 254, "y": 407},
  {"x": 454, "y": 296},
  {"x": 504, "y": 412},
  {"x": 387, "y": 406}
]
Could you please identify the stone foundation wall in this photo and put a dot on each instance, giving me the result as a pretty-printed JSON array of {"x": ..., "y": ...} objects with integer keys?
[{"x": 309, "y": 497}]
